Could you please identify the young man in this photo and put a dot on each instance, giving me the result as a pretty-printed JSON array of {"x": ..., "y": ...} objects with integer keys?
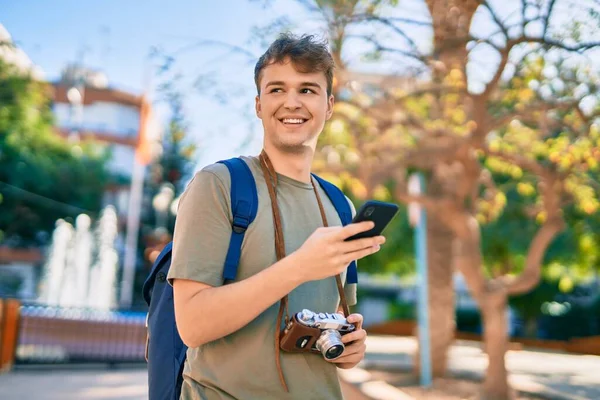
[{"x": 230, "y": 329}]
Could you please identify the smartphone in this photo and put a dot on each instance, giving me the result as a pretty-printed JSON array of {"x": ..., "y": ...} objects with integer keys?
[{"x": 377, "y": 211}]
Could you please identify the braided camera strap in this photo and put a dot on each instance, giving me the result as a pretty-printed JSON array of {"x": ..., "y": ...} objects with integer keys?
[{"x": 271, "y": 179}]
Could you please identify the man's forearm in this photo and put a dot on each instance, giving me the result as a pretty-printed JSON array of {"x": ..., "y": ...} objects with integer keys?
[{"x": 215, "y": 312}]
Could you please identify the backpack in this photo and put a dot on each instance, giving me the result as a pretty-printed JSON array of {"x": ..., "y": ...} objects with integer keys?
[{"x": 165, "y": 351}]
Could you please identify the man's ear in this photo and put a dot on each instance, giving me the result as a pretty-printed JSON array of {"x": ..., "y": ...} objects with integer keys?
[
  {"x": 330, "y": 103},
  {"x": 257, "y": 107}
]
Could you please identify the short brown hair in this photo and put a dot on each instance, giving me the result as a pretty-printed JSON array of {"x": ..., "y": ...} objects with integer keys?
[{"x": 306, "y": 53}]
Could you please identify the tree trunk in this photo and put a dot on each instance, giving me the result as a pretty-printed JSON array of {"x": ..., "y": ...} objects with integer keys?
[
  {"x": 495, "y": 335},
  {"x": 447, "y": 25}
]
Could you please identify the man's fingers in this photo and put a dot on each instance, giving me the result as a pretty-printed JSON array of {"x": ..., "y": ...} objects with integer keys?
[
  {"x": 360, "y": 334},
  {"x": 359, "y": 244},
  {"x": 353, "y": 229},
  {"x": 357, "y": 320},
  {"x": 351, "y": 352},
  {"x": 357, "y": 255},
  {"x": 353, "y": 358}
]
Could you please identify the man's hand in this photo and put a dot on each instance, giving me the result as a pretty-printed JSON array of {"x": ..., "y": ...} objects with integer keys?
[
  {"x": 355, "y": 344},
  {"x": 327, "y": 253}
]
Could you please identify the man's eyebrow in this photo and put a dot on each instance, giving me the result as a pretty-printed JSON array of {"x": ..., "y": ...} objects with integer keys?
[
  {"x": 281, "y": 83},
  {"x": 311, "y": 84},
  {"x": 275, "y": 83}
]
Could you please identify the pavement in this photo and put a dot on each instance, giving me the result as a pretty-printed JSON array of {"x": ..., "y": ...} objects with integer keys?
[
  {"x": 545, "y": 374},
  {"x": 550, "y": 375}
]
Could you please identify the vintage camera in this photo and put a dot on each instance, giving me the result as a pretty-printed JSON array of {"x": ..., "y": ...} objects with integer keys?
[{"x": 309, "y": 331}]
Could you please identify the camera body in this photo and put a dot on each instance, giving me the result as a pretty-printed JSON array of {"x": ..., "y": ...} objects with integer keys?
[{"x": 320, "y": 333}]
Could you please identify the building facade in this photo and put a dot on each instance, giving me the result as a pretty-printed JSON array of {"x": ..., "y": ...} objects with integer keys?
[{"x": 85, "y": 107}]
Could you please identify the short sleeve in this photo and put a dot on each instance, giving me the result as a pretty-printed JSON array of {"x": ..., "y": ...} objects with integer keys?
[
  {"x": 202, "y": 230},
  {"x": 350, "y": 288}
]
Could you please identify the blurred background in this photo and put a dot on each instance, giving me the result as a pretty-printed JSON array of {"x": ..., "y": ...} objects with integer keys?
[{"x": 107, "y": 109}]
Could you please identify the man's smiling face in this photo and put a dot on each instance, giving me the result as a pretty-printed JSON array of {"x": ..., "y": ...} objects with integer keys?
[{"x": 293, "y": 106}]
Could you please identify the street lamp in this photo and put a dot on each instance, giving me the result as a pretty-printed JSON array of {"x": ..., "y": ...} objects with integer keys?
[
  {"x": 161, "y": 203},
  {"x": 76, "y": 113}
]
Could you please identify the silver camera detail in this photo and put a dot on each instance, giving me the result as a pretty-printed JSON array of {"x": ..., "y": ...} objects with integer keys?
[{"x": 332, "y": 325}]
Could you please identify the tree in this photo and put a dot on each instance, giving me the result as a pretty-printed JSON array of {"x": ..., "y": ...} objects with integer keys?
[
  {"x": 175, "y": 163},
  {"x": 171, "y": 168},
  {"x": 521, "y": 122},
  {"x": 38, "y": 168}
]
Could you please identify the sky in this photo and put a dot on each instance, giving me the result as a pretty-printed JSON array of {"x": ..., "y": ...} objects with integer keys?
[{"x": 117, "y": 36}]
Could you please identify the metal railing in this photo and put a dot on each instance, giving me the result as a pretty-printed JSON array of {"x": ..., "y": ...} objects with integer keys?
[{"x": 59, "y": 335}]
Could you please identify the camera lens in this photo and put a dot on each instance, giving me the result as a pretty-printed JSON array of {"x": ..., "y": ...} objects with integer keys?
[
  {"x": 330, "y": 344},
  {"x": 334, "y": 352},
  {"x": 369, "y": 211}
]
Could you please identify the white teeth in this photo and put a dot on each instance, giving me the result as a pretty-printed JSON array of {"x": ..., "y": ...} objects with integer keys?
[{"x": 292, "y": 121}]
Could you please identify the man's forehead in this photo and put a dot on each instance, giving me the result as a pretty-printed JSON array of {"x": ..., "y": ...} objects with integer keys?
[{"x": 288, "y": 74}]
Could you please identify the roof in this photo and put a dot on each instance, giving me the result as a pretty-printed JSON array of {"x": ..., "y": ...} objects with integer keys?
[{"x": 92, "y": 95}]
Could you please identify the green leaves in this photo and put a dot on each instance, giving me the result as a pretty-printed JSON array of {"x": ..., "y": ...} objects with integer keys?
[{"x": 42, "y": 177}]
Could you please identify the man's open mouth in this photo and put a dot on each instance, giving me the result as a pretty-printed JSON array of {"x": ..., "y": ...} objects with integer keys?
[{"x": 292, "y": 121}]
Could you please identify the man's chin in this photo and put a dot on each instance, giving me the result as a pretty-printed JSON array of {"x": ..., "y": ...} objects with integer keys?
[{"x": 294, "y": 146}]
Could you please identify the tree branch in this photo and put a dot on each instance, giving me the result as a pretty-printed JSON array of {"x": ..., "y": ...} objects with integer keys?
[
  {"x": 547, "y": 18},
  {"x": 495, "y": 18},
  {"x": 493, "y": 83},
  {"x": 433, "y": 150},
  {"x": 380, "y": 47},
  {"x": 523, "y": 162},
  {"x": 499, "y": 122},
  {"x": 543, "y": 40},
  {"x": 409, "y": 21},
  {"x": 396, "y": 29},
  {"x": 218, "y": 43},
  {"x": 309, "y": 6},
  {"x": 578, "y": 48},
  {"x": 467, "y": 255},
  {"x": 523, "y": 19},
  {"x": 480, "y": 40},
  {"x": 531, "y": 274}
]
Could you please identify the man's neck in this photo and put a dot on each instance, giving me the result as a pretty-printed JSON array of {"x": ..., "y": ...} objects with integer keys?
[{"x": 293, "y": 165}]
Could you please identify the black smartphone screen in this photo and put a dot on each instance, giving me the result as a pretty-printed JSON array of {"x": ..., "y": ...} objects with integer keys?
[{"x": 377, "y": 211}]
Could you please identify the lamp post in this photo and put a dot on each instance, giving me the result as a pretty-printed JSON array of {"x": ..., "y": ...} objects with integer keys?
[
  {"x": 418, "y": 219},
  {"x": 75, "y": 98}
]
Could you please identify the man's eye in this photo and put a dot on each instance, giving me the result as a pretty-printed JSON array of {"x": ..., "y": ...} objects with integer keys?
[
  {"x": 306, "y": 90},
  {"x": 275, "y": 90}
]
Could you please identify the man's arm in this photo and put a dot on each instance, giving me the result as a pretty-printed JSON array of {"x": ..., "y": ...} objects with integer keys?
[
  {"x": 207, "y": 310},
  {"x": 204, "y": 313}
]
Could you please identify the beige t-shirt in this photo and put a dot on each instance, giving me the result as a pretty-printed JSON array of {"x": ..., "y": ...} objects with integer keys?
[{"x": 242, "y": 364}]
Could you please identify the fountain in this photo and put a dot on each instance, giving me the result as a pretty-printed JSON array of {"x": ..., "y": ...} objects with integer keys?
[
  {"x": 81, "y": 269},
  {"x": 102, "y": 290},
  {"x": 76, "y": 318},
  {"x": 55, "y": 265}
]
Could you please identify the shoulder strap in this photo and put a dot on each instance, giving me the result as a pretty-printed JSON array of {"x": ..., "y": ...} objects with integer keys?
[
  {"x": 164, "y": 255},
  {"x": 343, "y": 209},
  {"x": 244, "y": 205}
]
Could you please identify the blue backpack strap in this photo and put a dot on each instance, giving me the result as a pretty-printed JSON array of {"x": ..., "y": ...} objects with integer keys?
[
  {"x": 164, "y": 256},
  {"x": 343, "y": 209},
  {"x": 244, "y": 205}
]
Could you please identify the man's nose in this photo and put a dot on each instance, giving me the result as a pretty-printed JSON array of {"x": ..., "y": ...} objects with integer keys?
[{"x": 292, "y": 101}]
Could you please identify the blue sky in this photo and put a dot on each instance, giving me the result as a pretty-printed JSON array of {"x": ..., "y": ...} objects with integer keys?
[{"x": 118, "y": 36}]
